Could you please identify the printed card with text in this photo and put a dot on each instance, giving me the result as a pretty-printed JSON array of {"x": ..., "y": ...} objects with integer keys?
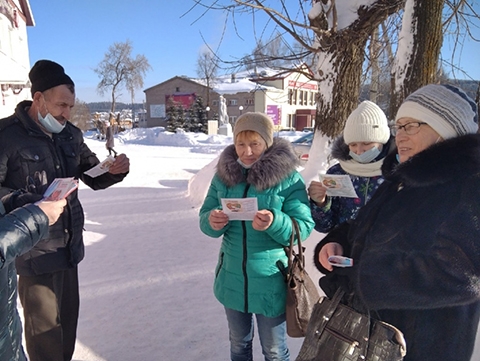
[
  {"x": 60, "y": 188},
  {"x": 338, "y": 185},
  {"x": 101, "y": 168},
  {"x": 240, "y": 209}
]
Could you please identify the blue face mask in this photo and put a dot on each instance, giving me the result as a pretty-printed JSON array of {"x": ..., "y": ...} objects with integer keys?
[
  {"x": 365, "y": 157},
  {"x": 246, "y": 166},
  {"x": 51, "y": 124}
]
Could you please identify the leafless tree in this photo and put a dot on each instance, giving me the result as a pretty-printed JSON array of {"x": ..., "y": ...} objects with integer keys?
[
  {"x": 340, "y": 49},
  {"x": 119, "y": 70},
  {"x": 207, "y": 68},
  {"x": 80, "y": 115}
]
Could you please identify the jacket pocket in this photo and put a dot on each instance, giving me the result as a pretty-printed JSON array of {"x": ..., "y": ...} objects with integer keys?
[
  {"x": 32, "y": 160},
  {"x": 71, "y": 157}
]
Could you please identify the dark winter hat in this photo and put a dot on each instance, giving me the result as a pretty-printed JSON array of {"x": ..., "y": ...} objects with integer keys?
[
  {"x": 46, "y": 74},
  {"x": 447, "y": 109},
  {"x": 257, "y": 122}
]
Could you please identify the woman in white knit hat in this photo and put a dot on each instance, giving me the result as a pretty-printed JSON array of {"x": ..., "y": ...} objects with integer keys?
[
  {"x": 360, "y": 152},
  {"x": 416, "y": 244},
  {"x": 248, "y": 280}
]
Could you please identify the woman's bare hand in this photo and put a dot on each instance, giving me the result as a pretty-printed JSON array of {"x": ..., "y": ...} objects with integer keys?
[{"x": 330, "y": 249}]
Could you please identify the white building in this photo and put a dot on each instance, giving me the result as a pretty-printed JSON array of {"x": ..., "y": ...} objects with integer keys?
[{"x": 15, "y": 16}]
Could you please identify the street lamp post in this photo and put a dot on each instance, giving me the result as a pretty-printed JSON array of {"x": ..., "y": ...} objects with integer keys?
[
  {"x": 207, "y": 109},
  {"x": 241, "y": 109}
]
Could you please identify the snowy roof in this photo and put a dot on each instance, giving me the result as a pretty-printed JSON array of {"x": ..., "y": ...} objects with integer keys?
[{"x": 241, "y": 82}]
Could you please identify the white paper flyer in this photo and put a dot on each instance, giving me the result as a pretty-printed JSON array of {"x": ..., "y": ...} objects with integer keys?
[
  {"x": 100, "y": 168},
  {"x": 240, "y": 209},
  {"x": 338, "y": 185}
]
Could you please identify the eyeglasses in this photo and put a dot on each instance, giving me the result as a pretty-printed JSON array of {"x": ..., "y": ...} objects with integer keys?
[{"x": 409, "y": 128}]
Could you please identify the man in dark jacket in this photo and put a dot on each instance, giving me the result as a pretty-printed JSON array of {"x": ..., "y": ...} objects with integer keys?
[{"x": 37, "y": 145}]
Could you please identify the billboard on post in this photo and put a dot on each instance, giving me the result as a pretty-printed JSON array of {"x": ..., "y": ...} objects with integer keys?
[{"x": 274, "y": 112}]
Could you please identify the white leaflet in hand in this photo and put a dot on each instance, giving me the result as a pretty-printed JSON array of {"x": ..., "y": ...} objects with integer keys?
[
  {"x": 240, "y": 209},
  {"x": 340, "y": 261},
  {"x": 338, "y": 185},
  {"x": 101, "y": 168}
]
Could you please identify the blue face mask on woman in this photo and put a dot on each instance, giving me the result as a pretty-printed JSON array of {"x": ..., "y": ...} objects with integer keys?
[{"x": 365, "y": 157}]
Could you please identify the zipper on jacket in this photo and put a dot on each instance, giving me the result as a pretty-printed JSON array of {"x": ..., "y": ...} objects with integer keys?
[
  {"x": 365, "y": 199},
  {"x": 244, "y": 262},
  {"x": 220, "y": 265}
]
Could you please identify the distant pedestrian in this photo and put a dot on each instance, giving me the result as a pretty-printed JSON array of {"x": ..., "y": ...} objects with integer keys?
[{"x": 110, "y": 140}]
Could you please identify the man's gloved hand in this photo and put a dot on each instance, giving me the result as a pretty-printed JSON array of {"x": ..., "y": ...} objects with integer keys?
[
  {"x": 19, "y": 198},
  {"x": 338, "y": 278}
]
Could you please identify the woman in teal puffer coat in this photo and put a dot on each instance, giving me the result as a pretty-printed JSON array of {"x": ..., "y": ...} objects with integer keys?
[
  {"x": 248, "y": 279},
  {"x": 20, "y": 230}
]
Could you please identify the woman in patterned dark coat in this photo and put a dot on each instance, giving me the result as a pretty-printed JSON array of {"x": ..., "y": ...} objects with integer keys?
[{"x": 360, "y": 152}]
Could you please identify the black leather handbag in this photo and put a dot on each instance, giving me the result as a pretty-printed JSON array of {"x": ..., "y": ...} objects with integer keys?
[{"x": 337, "y": 332}]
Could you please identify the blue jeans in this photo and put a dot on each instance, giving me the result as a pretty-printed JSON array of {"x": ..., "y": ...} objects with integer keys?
[{"x": 272, "y": 333}]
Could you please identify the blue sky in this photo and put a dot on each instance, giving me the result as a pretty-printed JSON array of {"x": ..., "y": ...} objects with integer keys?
[{"x": 78, "y": 33}]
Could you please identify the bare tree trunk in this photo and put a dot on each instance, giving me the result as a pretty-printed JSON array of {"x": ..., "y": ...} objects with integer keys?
[
  {"x": 422, "y": 69},
  {"x": 340, "y": 58},
  {"x": 374, "y": 51},
  {"x": 112, "y": 108}
]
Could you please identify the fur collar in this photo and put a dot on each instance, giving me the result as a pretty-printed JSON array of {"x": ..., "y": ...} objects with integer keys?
[
  {"x": 278, "y": 162},
  {"x": 452, "y": 159},
  {"x": 340, "y": 149}
]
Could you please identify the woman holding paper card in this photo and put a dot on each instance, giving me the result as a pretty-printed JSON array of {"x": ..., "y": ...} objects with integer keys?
[
  {"x": 415, "y": 245},
  {"x": 249, "y": 278},
  {"x": 360, "y": 152}
]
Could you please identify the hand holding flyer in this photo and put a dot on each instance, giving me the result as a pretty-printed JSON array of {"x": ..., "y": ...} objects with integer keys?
[
  {"x": 338, "y": 185},
  {"x": 60, "y": 188},
  {"x": 101, "y": 168},
  {"x": 240, "y": 209}
]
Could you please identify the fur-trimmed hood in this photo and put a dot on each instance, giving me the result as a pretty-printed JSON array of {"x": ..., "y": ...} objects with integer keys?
[
  {"x": 340, "y": 149},
  {"x": 274, "y": 165},
  {"x": 452, "y": 159}
]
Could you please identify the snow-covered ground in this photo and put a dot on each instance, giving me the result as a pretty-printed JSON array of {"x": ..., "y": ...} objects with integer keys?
[{"x": 146, "y": 280}]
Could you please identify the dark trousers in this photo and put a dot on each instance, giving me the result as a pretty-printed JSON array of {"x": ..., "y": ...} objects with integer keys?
[
  {"x": 110, "y": 150},
  {"x": 50, "y": 306}
]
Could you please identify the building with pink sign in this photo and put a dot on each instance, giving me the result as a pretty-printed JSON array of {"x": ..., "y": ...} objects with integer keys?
[{"x": 288, "y": 98}]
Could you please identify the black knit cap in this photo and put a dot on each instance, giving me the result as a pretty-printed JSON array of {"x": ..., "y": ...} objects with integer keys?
[{"x": 47, "y": 74}]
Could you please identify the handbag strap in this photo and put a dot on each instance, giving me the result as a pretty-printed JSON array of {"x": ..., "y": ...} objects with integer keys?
[
  {"x": 326, "y": 314},
  {"x": 291, "y": 253}
]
